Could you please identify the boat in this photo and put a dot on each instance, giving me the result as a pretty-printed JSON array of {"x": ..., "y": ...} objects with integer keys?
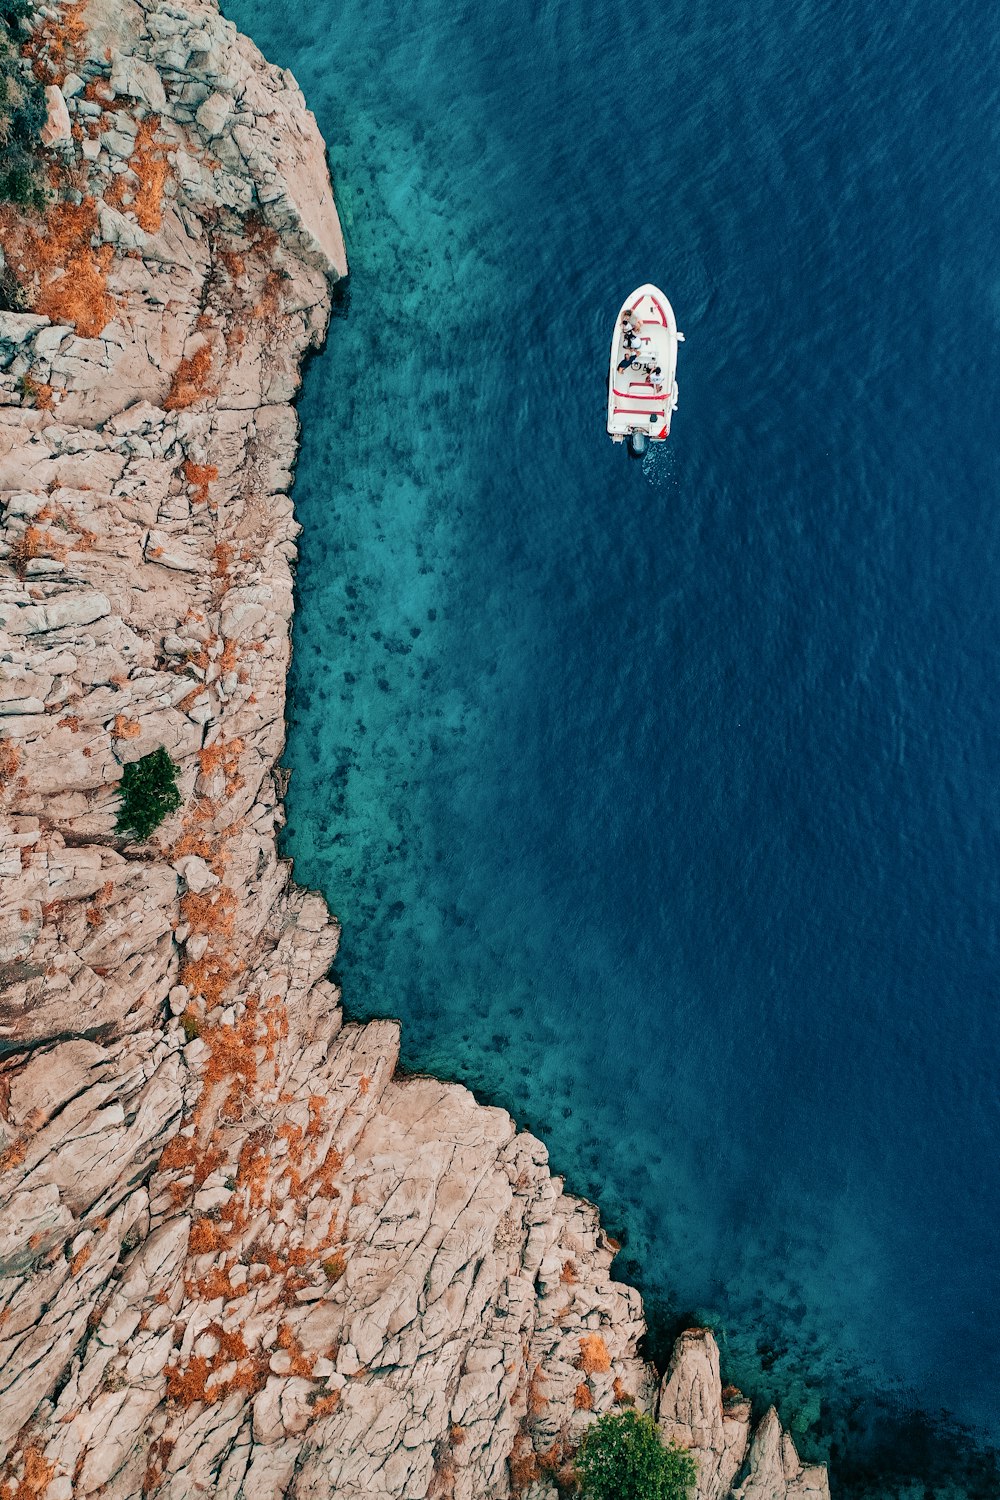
[{"x": 640, "y": 404}]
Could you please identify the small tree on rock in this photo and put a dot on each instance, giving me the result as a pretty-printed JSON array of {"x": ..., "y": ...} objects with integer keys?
[
  {"x": 622, "y": 1457},
  {"x": 149, "y": 793}
]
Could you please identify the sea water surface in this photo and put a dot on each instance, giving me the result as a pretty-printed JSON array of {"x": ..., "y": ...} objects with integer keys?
[{"x": 660, "y": 800}]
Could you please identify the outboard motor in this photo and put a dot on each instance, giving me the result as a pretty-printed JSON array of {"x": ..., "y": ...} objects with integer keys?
[{"x": 638, "y": 442}]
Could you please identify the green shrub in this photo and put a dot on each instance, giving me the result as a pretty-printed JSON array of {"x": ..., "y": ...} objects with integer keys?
[
  {"x": 191, "y": 1025},
  {"x": 149, "y": 793},
  {"x": 622, "y": 1457},
  {"x": 12, "y": 11},
  {"x": 22, "y": 114}
]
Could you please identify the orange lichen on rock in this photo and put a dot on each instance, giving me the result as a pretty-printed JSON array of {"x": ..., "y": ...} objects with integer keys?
[
  {"x": 178, "y": 1154},
  {"x": 205, "y": 1238},
  {"x": 194, "y": 843},
  {"x": 211, "y": 912},
  {"x": 523, "y": 1461},
  {"x": 199, "y": 477},
  {"x": 324, "y": 1405},
  {"x": 194, "y": 1382},
  {"x": 335, "y": 1266},
  {"x": 321, "y": 1183},
  {"x": 64, "y": 275},
  {"x": 275, "y": 1025},
  {"x": 301, "y": 1363},
  {"x": 205, "y": 809},
  {"x": 126, "y": 729},
  {"x": 233, "y": 1057},
  {"x": 32, "y": 543},
  {"x": 206, "y": 1164},
  {"x": 190, "y": 699},
  {"x": 149, "y": 163},
  {"x": 25, "y": 549},
  {"x": 38, "y": 1473},
  {"x": 57, "y": 44},
  {"x": 270, "y": 298},
  {"x": 555, "y": 1461},
  {"x": 190, "y": 1384},
  {"x": 95, "y": 912},
  {"x": 159, "y": 1455},
  {"x": 190, "y": 380},
  {"x": 252, "y": 1175},
  {"x": 222, "y": 755},
  {"x": 81, "y": 1258},
  {"x": 582, "y": 1397},
  {"x": 537, "y": 1399},
  {"x": 35, "y": 391},
  {"x": 209, "y": 976},
  {"x": 622, "y": 1396},
  {"x": 232, "y": 1344},
  {"x": 594, "y": 1357},
  {"x": 10, "y": 760},
  {"x": 210, "y": 1287},
  {"x": 232, "y": 1049},
  {"x": 13, "y": 1156}
]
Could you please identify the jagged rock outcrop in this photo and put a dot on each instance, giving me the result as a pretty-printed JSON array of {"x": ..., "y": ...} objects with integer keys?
[
  {"x": 694, "y": 1411},
  {"x": 237, "y": 1250},
  {"x": 715, "y": 1424}
]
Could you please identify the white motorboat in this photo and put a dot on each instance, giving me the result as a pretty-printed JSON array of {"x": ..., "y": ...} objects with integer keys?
[{"x": 642, "y": 381}]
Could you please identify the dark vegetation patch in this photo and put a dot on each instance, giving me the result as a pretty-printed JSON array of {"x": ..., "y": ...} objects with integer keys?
[
  {"x": 149, "y": 793},
  {"x": 22, "y": 112}
]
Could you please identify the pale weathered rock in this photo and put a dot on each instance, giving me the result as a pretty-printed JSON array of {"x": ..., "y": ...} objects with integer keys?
[
  {"x": 57, "y": 125},
  {"x": 692, "y": 1412},
  {"x": 197, "y": 873},
  {"x": 696, "y": 1412}
]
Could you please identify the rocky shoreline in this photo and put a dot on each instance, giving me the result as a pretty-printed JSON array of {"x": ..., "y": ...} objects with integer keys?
[{"x": 237, "y": 1250}]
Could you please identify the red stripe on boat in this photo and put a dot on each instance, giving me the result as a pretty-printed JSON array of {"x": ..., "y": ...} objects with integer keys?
[{"x": 640, "y": 396}]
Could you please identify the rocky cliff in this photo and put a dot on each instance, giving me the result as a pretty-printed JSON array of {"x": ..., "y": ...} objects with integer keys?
[{"x": 238, "y": 1251}]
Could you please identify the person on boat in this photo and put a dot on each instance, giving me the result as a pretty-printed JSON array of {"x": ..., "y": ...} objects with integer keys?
[
  {"x": 631, "y": 329},
  {"x": 631, "y": 339},
  {"x": 656, "y": 378}
]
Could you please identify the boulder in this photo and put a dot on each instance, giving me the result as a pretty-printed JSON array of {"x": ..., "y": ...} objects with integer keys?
[{"x": 57, "y": 127}]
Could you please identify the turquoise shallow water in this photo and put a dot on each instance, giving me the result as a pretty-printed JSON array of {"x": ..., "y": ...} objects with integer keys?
[{"x": 660, "y": 800}]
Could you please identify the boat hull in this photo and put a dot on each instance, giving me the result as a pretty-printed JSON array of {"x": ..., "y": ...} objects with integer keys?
[{"x": 635, "y": 405}]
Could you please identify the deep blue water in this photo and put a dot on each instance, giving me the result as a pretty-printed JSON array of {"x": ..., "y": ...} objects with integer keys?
[{"x": 660, "y": 800}]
